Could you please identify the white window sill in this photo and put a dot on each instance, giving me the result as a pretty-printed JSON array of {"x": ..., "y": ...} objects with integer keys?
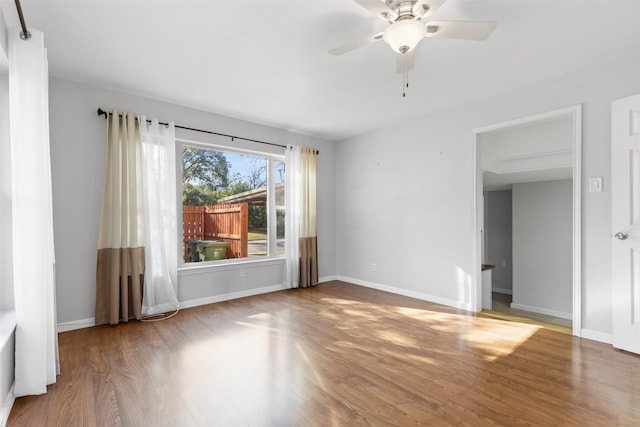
[{"x": 208, "y": 267}]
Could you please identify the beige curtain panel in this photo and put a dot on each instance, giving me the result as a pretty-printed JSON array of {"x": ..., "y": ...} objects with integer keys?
[
  {"x": 308, "y": 240},
  {"x": 120, "y": 269}
]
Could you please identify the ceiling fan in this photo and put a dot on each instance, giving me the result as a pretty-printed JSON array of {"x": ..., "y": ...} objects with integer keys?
[{"x": 407, "y": 28}]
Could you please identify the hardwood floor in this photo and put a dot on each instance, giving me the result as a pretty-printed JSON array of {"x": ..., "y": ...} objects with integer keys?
[
  {"x": 502, "y": 310},
  {"x": 334, "y": 355}
]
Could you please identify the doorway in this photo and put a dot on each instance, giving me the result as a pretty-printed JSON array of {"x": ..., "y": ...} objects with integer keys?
[
  {"x": 525, "y": 162},
  {"x": 528, "y": 246}
]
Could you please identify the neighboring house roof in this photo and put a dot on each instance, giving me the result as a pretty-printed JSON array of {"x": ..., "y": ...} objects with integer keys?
[{"x": 257, "y": 197}]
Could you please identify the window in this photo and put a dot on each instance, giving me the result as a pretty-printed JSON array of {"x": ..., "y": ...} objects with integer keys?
[{"x": 232, "y": 204}]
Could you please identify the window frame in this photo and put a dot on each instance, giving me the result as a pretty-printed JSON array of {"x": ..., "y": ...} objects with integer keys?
[{"x": 271, "y": 158}]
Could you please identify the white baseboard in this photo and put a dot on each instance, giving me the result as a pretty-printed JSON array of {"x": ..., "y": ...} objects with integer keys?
[
  {"x": 230, "y": 296},
  {"x": 6, "y": 406},
  {"x": 502, "y": 291},
  {"x": 76, "y": 324},
  {"x": 327, "y": 279},
  {"x": 408, "y": 293},
  {"x": 545, "y": 311},
  {"x": 87, "y": 323},
  {"x": 596, "y": 336}
]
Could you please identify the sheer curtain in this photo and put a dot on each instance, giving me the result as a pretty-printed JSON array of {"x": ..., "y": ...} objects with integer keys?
[
  {"x": 36, "y": 343},
  {"x": 301, "y": 269},
  {"x": 160, "y": 219},
  {"x": 120, "y": 267}
]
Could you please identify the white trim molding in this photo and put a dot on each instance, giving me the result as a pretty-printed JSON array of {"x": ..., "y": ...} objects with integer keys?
[
  {"x": 226, "y": 265},
  {"x": 87, "y": 323},
  {"x": 231, "y": 295},
  {"x": 6, "y": 406},
  {"x": 575, "y": 114},
  {"x": 597, "y": 336},
  {"x": 76, "y": 324},
  {"x": 407, "y": 293},
  {"x": 540, "y": 310}
]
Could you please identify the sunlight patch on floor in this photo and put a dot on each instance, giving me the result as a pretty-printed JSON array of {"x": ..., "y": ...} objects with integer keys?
[
  {"x": 256, "y": 326},
  {"x": 310, "y": 366},
  {"x": 360, "y": 313},
  {"x": 339, "y": 301},
  {"x": 427, "y": 315},
  {"x": 494, "y": 337},
  {"x": 262, "y": 315},
  {"x": 396, "y": 339},
  {"x": 499, "y": 338}
]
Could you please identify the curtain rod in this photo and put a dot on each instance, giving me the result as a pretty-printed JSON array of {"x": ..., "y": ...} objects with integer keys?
[
  {"x": 104, "y": 113},
  {"x": 24, "y": 34}
]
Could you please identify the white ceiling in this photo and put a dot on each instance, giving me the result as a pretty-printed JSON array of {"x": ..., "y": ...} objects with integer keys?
[{"x": 266, "y": 61}]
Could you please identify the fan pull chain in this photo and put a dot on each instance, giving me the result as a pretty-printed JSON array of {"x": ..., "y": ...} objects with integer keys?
[
  {"x": 405, "y": 83},
  {"x": 405, "y": 75}
]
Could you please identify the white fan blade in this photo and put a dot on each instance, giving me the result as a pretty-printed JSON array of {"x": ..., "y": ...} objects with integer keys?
[
  {"x": 347, "y": 47},
  {"x": 425, "y": 8},
  {"x": 405, "y": 61},
  {"x": 466, "y": 30},
  {"x": 378, "y": 8}
]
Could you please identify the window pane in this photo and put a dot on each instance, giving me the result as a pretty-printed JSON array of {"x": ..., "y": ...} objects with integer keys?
[
  {"x": 279, "y": 168},
  {"x": 279, "y": 180},
  {"x": 224, "y": 199}
]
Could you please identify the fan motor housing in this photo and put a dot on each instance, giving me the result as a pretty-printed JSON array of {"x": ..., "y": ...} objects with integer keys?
[{"x": 403, "y": 8}]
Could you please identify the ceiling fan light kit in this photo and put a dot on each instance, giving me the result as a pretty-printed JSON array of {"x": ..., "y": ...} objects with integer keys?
[
  {"x": 407, "y": 27},
  {"x": 404, "y": 35}
]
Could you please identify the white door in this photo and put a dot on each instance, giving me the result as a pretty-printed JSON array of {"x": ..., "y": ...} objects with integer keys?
[{"x": 625, "y": 198}]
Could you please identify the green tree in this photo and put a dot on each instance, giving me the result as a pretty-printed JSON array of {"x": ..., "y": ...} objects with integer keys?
[
  {"x": 235, "y": 188},
  {"x": 198, "y": 195},
  {"x": 204, "y": 167},
  {"x": 257, "y": 219}
]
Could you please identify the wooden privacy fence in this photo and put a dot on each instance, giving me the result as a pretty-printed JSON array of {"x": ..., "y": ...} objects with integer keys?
[{"x": 226, "y": 222}]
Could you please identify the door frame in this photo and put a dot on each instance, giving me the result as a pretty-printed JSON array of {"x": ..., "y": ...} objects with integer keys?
[{"x": 575, "y": 114}]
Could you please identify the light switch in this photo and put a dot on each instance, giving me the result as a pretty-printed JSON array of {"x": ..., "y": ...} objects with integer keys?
[{"x": 595, "y": 185}]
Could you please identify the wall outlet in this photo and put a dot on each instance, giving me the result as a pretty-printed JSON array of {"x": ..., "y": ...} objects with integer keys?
[
  {"x": 243, "y": 272},
  {"x": 503, "y": 264},
  {"x": 595, "y": 185},
  {"x": 374, "y": 266}
]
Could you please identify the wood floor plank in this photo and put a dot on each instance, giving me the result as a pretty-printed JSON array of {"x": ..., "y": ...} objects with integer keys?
[{"x": 334, "y": 355}]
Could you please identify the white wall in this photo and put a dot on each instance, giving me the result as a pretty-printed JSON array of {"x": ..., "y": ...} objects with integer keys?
[
  {"x": 498, "y": 239},
  {"x": 77, "y": 148},
  {"x": 542, "y": 247},
  {"x": 406, "y": 194}
]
